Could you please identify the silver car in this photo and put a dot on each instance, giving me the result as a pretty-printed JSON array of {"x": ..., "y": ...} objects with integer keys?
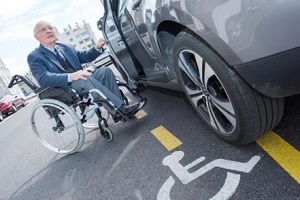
[{"x": 235, "y": 60}]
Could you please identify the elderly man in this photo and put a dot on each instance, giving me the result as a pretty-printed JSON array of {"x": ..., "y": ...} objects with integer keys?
[{"x": 55, "y": 64}]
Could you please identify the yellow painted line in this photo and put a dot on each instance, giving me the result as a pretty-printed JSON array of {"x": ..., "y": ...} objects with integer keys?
[
  {"x": 140, "y": 114},
  {"x": 282, "y": 152},
  {"x": 167, "y": 139}
]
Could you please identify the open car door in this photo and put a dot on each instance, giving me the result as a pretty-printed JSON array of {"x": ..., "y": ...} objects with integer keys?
[{"x": 118, "y": 49}]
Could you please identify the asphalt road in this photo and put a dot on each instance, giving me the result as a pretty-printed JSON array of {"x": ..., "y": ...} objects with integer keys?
[{"x": 198, "y": 165}]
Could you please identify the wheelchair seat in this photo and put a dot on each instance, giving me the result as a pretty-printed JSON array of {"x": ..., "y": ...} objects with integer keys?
[{"x": 65, "y": 94}]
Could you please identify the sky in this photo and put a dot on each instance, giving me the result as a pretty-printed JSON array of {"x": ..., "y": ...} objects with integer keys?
[{"x": 18, "y": 17}]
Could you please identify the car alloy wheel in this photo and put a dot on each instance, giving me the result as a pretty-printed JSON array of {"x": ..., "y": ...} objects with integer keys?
[
  {"x": 234, "y": 111},
  {"x": 207, "y": 92}
]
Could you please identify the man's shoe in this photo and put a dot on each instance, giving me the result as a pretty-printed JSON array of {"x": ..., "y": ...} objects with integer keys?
[
  {"x": 131, "y": 110},
  {"x": 128, "y": 109},
  {"x": 140, "y": 104}
]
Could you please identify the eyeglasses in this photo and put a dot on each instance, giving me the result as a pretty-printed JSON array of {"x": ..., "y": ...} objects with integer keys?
[{"x": 44, "y": 29}]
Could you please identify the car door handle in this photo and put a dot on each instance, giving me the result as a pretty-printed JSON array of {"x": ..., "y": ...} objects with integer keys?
[
  {"x": 136, "y": 5},
  {"x": 120, "y": 43},
  {"x": 127, "y": 38}
]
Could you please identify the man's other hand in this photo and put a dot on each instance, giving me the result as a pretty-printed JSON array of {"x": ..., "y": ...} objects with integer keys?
[
  {"x": 80, "y": 75},
  {"x": 101, "y": 43}
]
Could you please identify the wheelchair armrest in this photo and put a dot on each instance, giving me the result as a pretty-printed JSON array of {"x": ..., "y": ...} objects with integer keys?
[{"x": 16, "y": 79}]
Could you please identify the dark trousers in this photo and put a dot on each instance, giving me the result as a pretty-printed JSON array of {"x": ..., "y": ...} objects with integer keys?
[{"x": 104, "y": 80}]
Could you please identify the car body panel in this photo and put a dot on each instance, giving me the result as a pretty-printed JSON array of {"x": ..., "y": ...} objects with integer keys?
[
  {"x": 252, "y": 29},
  {"x": 242, "y": 32},
  {"x": 275, "y": 76},
  {"x": 5, "y": 109}
]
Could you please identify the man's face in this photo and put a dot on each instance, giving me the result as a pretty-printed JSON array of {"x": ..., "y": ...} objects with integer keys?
[{"x": 45, "y": 34}]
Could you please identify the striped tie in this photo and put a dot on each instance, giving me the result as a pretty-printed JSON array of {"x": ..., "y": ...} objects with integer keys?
[
  {"x": 61, "y": 59},
  {"x": 59, "y": 55}
]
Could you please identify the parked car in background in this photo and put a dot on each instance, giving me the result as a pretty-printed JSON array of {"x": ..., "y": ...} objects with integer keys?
[
  {"x": 10, "y": 104},
  {"x": 235, "y": 60},
  {"x": 1, "y": 117}
]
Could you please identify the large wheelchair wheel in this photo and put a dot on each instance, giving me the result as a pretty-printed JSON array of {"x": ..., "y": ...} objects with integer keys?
[{"x": 57, "y": 126}]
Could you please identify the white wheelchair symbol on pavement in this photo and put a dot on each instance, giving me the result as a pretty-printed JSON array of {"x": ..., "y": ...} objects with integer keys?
[{"x": 231, "y": 182}]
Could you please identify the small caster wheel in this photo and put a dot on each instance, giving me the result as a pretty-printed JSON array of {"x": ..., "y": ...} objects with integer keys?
[{"x": 106, "y": 133}]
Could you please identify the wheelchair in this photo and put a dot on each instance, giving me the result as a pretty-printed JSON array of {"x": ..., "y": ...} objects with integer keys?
[{"x": 60, "y": 115}]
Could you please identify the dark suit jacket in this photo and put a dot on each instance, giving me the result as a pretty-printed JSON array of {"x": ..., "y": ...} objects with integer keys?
[{"x": 48, "y": 71}]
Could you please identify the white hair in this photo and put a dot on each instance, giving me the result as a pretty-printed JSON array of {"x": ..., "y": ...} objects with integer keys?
[{"x": 35, "y": 28}]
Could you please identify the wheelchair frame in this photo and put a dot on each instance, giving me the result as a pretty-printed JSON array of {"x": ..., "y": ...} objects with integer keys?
[{"x": 65, "y": 113}]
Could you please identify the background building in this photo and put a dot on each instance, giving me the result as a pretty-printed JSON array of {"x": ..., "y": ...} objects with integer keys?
[
  {"x": 5, "y": 78},
  {"x": 81, "y": 36}
]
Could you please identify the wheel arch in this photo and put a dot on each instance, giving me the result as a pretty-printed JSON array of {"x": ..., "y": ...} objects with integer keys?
[{"x": 166, "y": 34}]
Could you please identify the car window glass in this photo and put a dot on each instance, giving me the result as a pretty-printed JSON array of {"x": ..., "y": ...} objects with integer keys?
[
  {"x": 8, "y": 98},
  {"x": 121, "y": 6}
]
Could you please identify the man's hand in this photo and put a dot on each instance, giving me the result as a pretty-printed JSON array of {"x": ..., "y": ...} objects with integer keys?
[
  {"x": 80, "y": 75},
  {"x": 101, "y": 43}
]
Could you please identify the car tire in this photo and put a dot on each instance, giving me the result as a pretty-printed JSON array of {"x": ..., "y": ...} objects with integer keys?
[
  {"x": 23, "y": 103},
  {"x": 14, "y": 108},
  {"x": 1, "y": 117},
  {"x": 235, "y": 112}
]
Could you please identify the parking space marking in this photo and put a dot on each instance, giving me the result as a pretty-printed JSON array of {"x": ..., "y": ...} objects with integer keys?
[
  {"x": 167, "y": 139},
  {"x": 282, "y": 152},
  {"x": 140, "y": 114},
  {"x": 186, "y": 175}
]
